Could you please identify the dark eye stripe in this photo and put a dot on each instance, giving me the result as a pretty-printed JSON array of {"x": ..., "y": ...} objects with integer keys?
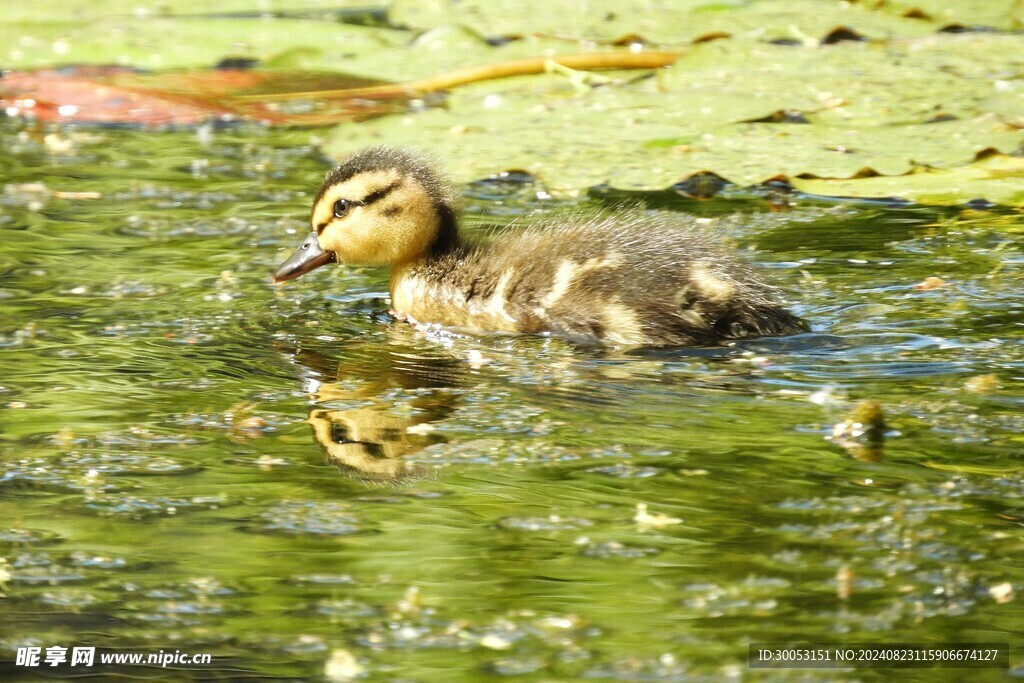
[
  {"x": 380, "y": 194},
  {"x": 374, "y": 196}
]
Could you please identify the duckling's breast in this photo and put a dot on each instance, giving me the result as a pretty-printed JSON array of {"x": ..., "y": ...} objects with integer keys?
[{"x": 419, "y": 295}]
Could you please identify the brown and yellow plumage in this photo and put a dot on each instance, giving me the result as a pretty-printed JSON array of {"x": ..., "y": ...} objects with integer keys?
[{"x": 630, "y": 279}]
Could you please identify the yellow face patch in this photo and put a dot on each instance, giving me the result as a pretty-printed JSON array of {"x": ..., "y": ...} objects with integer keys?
[
  {"x": 398, "y": 228},
  {"x": 354, "y": 189}
]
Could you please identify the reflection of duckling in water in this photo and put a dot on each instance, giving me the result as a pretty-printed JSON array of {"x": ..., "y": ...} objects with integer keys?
[
  {"x": 369, "y": 439},
  {"x": 368, "y": 442},
  {"x": 631, "y": 280}
]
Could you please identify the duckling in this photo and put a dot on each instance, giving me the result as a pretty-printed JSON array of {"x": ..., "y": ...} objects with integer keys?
[{"x": 628, "y": 280}]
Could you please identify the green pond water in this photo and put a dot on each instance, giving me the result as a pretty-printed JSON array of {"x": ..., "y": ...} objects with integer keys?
[{"x": 285, "y": 477}]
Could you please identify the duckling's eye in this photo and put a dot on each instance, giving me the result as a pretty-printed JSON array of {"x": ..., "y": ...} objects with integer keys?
[{"x": 342, "y": 207}]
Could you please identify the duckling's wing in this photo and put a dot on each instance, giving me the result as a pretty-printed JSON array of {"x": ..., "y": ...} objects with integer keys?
[{"x": 638, "y": 279}]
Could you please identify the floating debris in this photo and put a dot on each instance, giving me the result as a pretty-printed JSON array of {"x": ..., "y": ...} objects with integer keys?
[
  {"x": 982, "y": 384},
  {"x": 862, "y": 433},
  {"x": 5, "y": 576},
  {"x": 308, "y": 518},
  {"x": 549, "y": 523},
  {"x": 1002, "y": 593},
  {"x": 646, "y": 521},
  {"x": 614, "y": 549},
  {"x": 844, "y": 582},
  {"x": 931, "y": 282},
  {"x": 410, "y": 602},
  {"x": 343, "y": 666},
  {"x": 266, "y": 462},
  {"x": 493, "y": 641}
]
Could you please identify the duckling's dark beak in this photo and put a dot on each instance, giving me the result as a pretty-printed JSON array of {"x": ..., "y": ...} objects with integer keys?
[{"x": 309, "y": 256}]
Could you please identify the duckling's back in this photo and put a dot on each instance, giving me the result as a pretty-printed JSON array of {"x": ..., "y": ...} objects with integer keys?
[{"x": 642, "y": 280}]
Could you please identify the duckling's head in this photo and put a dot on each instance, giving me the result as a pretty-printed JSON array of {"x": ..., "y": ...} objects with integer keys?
[{"x": 383, "y": 206}]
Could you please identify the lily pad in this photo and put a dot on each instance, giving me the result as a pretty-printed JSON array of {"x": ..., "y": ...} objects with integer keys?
[
  {"x": 999, "y": 177},
  {"x": 665, "y": 23},
  {"x": 902, "y": 93},
  {"x": 933, "y": 101}
]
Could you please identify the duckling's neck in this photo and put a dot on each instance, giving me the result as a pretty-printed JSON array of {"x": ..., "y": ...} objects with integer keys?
[
  {"x": 436, "y": 287},
  {"x": 448, "y": 239}
]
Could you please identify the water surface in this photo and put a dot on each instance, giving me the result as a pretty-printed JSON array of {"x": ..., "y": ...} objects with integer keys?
[{"x": 289, "y": 479}]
